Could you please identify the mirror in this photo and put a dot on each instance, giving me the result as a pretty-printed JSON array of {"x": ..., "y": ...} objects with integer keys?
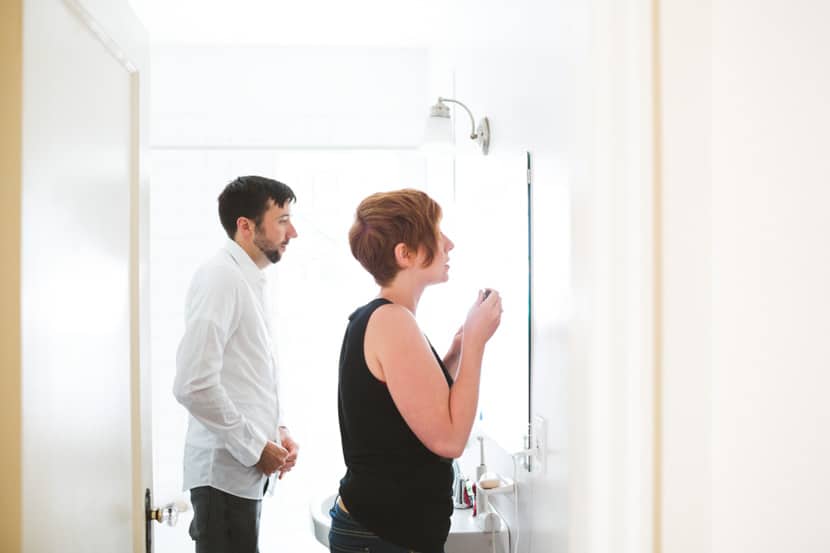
[{"x": 486, "y": 215}]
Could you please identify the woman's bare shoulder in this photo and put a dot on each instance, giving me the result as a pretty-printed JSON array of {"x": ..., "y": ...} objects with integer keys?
[
  {"x": 393, "y": 314},
  {"x": 391, "y": 324}
]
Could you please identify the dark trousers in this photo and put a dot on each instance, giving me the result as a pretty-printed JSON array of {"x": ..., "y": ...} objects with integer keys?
[
  {"x": 224, "y": 523},
  {"x": 348, "y": 536}
]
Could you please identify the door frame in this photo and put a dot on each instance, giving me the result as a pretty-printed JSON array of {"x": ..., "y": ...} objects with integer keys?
[
  {"x": 11, "y": 424},
  {"x": 122, "y": 35}
]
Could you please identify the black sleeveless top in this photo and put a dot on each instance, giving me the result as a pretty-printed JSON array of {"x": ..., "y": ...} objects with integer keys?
[{"x": 394, "y": 486}]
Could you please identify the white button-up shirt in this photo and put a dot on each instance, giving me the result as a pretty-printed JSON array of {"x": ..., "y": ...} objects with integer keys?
[{"x": 226, "y": 375}]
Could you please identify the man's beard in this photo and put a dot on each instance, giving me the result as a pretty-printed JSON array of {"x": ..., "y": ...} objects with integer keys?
[{"x": 272, "y": 253}]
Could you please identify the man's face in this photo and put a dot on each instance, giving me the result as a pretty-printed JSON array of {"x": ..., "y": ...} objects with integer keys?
[{"x": 274, "y": 231}]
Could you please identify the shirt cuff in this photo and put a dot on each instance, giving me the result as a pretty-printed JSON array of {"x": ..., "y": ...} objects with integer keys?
[{"x": 247, "y": 449}]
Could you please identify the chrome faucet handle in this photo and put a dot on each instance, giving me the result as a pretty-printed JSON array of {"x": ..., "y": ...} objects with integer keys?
[
  {"x": 460, "y": 494},
  {"x": 463, "y": 494}
]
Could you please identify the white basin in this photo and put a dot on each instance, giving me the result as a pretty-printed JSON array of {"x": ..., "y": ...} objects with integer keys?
[{"x": 465, "y": 534}]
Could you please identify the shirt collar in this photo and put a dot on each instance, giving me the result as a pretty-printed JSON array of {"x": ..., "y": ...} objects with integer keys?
[{"x": 250, "y": 271}]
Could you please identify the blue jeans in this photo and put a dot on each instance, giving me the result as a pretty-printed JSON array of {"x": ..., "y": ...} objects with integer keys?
[{"x": 348, "y": 536}]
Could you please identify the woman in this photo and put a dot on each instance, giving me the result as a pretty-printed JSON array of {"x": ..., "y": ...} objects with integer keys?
[{"x": 405, "y": 413}]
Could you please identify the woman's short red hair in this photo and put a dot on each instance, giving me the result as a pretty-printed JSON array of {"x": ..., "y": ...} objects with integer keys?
[{"x": 386, "y": 219}]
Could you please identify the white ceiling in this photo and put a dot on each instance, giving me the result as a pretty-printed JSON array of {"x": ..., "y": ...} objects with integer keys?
[{"x": 392, "y": 23}]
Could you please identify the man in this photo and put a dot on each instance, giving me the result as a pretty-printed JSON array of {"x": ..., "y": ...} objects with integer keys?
[{"x": 226, "y": 376}]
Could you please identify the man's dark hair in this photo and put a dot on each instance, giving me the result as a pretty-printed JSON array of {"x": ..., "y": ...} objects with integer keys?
[{"x": 248, "y": 197}]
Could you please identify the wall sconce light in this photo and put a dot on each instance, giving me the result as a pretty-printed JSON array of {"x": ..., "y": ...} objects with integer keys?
[{"x": 439, "y": 127}]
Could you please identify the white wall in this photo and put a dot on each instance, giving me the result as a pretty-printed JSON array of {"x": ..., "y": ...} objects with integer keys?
[
  {"x": 572, "y": 82},
  {"x": 770, "y": 274},
  {"x": 746, "y": 123},
  {"x": 288, "y": 97},
  {"x": 569, "y": 82},
  {"x": 687, "y": 279}
]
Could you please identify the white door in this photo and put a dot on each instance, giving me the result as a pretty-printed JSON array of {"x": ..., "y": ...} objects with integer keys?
[{"x": 86, "y": 440}]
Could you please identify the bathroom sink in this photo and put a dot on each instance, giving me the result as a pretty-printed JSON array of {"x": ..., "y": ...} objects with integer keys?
[{"x": 465, "y": 534}]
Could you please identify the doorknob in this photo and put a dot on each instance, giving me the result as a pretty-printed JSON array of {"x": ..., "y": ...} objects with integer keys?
[{"x": 168, "y": 514}]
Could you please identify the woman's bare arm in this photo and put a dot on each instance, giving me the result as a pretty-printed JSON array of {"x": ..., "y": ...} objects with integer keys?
[{"x": 397, "y": 353}]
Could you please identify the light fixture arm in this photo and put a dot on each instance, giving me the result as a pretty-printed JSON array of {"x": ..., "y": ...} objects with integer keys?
[
  {"x": 480, "y": 134},
  {"x": 473, "y": 133}
]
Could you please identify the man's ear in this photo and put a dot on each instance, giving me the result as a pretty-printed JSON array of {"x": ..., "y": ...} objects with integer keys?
[
  {"x": 403, "y": 256},
  {"x": 244, "y": 226}
]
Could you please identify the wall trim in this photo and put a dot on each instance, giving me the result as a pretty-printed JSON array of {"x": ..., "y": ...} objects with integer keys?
[
  {"x": 101, "y": 35},
  {"x": 11, "y": 144},
  {"x": 657, "y": 309},
  {"x": 624, "y": 394}
]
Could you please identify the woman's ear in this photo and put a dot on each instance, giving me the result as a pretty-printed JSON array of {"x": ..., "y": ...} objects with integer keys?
[{"x": 402, "y": 255}]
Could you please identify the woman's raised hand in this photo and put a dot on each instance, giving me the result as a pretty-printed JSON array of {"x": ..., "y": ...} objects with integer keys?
[{"x": 484, "y": 316}]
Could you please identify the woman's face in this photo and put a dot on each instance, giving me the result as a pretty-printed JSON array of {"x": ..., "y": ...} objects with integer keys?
[{"x": 439, "y": 269}]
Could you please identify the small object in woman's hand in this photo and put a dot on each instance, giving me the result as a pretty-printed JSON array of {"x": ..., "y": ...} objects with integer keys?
[{"x": 486, "y": 293}]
